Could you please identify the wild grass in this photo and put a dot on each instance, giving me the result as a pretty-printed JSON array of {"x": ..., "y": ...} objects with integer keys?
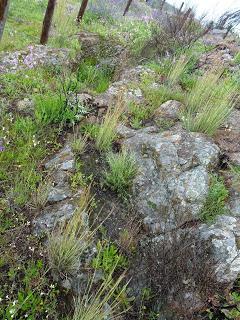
[
  {"x": 107, "y": 130},
  {"x": 23, "y": 24},
  {"x": 79, "y": 143},
  {"x": 65, "y": 28},
  {"x": 49, "y": 109},
  {"x": 103, "y": 302},
  {"x": 68, "y": 241},
  {"x": 216, "y": 199},
  {"x": 177, "y": 70},
  {"x": 39, "y": 196},
  {"x": 156, "y": 96},
  {"x": 122, "y": 170},
  {"x": 138, "y": 113},
  {"x": 209, "y": 103}
]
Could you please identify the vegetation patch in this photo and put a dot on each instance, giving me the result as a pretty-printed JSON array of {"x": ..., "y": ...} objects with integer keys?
[{"x": 216, "y": 200}]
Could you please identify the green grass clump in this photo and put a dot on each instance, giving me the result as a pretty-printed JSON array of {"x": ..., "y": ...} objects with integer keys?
[
  {"x": 122, "y": 170},
  {"x": 138, "y": 114},
  {"x": 50, "y": 109},
  {"x": 92, "y": 304},
  {"x": 177, "y": 70},
  {"x": 68, "y": 241},
  {"x": 215, "y": 202},
  {"x": 209, "y": 103},
  {"x": 94, "y": 76},
  {"x": 107, "y": 130}
]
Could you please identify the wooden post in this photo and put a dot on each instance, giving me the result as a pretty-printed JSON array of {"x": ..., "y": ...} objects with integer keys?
[
  {"x": 127, "y": 7},
  {"x": 82, "y": 10},
  {"x": 4, "y": 6},
  {"x": 47, "y": 21}
]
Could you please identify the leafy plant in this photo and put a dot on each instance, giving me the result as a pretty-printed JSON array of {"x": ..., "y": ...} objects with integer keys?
[
  {"x": 109, "y": 259},
  {"x": 122, "y": 170},
  {"x": 34, "y": 298},
  {"x": 215, "y": 202}
]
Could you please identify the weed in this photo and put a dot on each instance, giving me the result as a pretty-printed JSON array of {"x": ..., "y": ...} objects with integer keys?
[
  {"x": 109, "y": 258},
  {"x": 235, "y": 170},
  {"x": 79, "y": 143},
  {"x": 106, "y": 133},
  {"x": 155, "y": 96},
  {"x": 39, "y": 197},
  {"x": 215, "y": 202},
  {"x": 34, "y": 299},
  {"x": 208, "y": 103},
  {"x": 122, "y": 170},
  {"x": 49, "y": 109},
  {"x": 90, "y": 130},
  {"x": 138, "y": 114},
  {"x": 94, "y": 76},
  {"x": 78, "y": 180}
]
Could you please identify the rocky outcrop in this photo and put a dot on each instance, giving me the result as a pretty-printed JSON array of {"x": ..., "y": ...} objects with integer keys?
[
  {"x": 183, "y": 260},
  {"x": 172, "y": 181},
  {"x": 61, "y": 202},
  {"x": 32, "y": 57}
]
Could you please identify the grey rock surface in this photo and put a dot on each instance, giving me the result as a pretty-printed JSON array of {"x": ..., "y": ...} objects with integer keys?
[
  {"x": 32, "y": 57},
  {"x": 224, "y": 235},
  {"x": 172, "y": 181},
  {"x": 63, "y": 160},
  {"x": 169, "y": 109}
]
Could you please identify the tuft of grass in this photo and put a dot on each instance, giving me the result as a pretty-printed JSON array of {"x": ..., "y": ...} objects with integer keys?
[
  {"x": 65, "y": 27},
  {"x": 122, "y": 170},
  {"x": 138, "y": 114},
  {"x": 215, "y": 202},
  {"x": 68, "y": 241},
  {"x": 40, "y": 195},
  {"x": 177, "y": 70},
  {"x": 79, "y": 143},
  {"x": 102, "y": 302},
  {"x": 209, "y": 103},
  {"x": 49, "y": 109},
  {"x": 107, "y": 130}
]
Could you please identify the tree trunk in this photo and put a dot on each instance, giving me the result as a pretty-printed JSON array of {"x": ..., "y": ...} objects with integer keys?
[
  {"x": 47, "y": 21},
  {"x": 82, "y": 10},
  {"x": 4, "y": 6},
  {"x": 127, "y": 7}
]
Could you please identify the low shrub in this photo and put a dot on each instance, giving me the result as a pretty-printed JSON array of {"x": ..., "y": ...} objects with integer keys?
[{"x": 177, "y": 30}]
